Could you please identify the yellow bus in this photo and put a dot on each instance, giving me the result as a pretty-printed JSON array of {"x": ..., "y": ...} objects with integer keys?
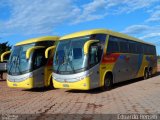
[
  {"x": 100, "y": 58},
  {"x": 29, "y": 65}
]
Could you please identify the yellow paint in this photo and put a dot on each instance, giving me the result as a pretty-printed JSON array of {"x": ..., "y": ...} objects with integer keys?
[
  {"x": 4, "y": 54},
  {"x": 79, "y": 85},
  {"x": 48, "y": 49},
  {"x": 87, "y": 45},
  {"x": 27, "y": 84},
  {"x": 48, "y": 75},
  {"x": 104, "y": 68},
  {"x": 101, "y": 31},
  {"x": 39, "y": 39},
  {"x": 30, "y": 50}
]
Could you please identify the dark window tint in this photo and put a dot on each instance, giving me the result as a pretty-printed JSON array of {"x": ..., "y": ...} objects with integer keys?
[
  {"x": 124, "y": 47},
  {"x": 139, "y": 48},
  {"x": 45, "y": 43},
  {"x": 101, "y": 37},
  {"x": 38, "y": 59},
  {"x": 113, "y": 46},
  {"x": 132, "y": 47}
]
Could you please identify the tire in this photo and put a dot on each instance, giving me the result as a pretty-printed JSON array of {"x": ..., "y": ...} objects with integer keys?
[
  {"x": 146, "y": 74},
  {"x": 108, "y": 82},
  {"x": 150, "y": 73}
]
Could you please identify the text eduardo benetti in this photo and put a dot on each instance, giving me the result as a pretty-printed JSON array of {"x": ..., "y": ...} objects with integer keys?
[{"x": 137, "y": 117}]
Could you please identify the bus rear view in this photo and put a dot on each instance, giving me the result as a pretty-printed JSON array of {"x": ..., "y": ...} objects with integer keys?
[{"x": 27, "y": 66}]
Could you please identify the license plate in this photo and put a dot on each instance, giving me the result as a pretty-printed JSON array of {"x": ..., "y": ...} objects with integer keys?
[
  {"x": 65, "y": 85},
  {"x": 14, "y": 84}
]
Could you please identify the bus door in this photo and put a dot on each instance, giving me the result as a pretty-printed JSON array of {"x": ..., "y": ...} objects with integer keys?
[
  {"x": 95, "y": 53},
  {"x": 39, "y": 62}
]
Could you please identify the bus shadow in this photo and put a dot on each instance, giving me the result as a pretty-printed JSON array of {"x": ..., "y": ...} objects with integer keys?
[
  {"x": 1, "y": 80},
  {"x": 45, "y": 89},
  {"x": 115, "y": 86}
]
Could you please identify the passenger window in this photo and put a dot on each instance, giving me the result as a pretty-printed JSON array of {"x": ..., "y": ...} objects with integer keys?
[
  {"x": 124, "y": 47},
  {"x": 113, "y": 46},
  {"x": 132, "y": 47}
]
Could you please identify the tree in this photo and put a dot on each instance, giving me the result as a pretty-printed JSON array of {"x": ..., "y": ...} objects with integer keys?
[{"x": 4, "y": 47}]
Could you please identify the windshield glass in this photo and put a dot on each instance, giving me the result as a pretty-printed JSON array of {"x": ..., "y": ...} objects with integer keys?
[
  {"x": 69, "y": 57},
  {"x": 18, "y": 64}
]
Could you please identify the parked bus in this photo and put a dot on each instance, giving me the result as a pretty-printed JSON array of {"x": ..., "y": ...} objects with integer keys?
[
  {"x": 29, "y": 65},
  {"x": 100, "y": 58}
]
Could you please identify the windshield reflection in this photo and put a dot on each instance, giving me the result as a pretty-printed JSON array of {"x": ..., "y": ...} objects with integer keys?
[
  {"x": 69, "y": 57},
  {"x": 18, "y": 63}
]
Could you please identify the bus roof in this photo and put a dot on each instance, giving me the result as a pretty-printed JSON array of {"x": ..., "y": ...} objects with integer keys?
[
  {"x": 102, "y": 31},
  {"x": 39, "y": 39}
]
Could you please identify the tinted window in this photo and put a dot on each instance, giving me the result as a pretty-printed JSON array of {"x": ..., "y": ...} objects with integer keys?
[
  {"x": 45, "y": 43},
  {"x": 124, "y": 47},
  {"x": 139, "y": 48},
  {"x": 132, "y": 47},
  {"x": 113, "y": 46},
  {"x": 101, "y": 37}
]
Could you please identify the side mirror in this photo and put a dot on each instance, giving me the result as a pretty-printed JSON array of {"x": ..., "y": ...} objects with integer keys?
[
  {"x": 48, "y": 49},
  {"x": 4, "y": 54},
  {"x": 30, "y": 50},
  {"x": 87, "y": 45}
]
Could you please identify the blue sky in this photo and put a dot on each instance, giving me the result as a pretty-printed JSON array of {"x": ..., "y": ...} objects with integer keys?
[{"x": 24, "y": 19}]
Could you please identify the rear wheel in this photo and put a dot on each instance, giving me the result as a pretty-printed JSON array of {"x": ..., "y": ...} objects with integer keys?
[
  {"x": 150, "y": 72},
  {"x": 146, "y": 74},
  {"x": 108, "y": 82}
]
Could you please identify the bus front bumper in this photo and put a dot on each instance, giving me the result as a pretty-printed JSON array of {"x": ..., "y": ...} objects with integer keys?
[
  {"x": 26, "y": 84},
  {"x": 83, "y": 84}
]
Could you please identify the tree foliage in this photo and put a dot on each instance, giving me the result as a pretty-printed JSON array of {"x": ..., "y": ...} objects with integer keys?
[{"x": 4, "y": 47}]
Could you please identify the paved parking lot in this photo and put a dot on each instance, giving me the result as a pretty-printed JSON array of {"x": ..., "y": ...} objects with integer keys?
[{"x": 134, "y": 96}]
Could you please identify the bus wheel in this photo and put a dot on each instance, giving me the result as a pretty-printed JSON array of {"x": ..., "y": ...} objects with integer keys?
[
  {"x": 146, "y": 74},
  {"x": 108, "y": 82},
  {"x": 150, "y": 72}
]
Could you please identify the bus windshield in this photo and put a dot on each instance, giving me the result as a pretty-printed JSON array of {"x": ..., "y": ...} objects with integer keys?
[
  {"x": 18, "y": 64},
  {"x": 69, "y": 57}
]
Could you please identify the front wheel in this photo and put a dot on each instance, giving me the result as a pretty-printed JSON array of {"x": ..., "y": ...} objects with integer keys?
[{"x": 108, "y": 82}]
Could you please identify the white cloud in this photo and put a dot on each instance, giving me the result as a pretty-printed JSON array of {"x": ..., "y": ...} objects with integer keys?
[
  {"x": 144, "y": 32},
  {"x": 89, "y": 12},
  {"x": 136, "y": 29},
  {"x": 151, "y": 35},
  {"x": 42, "y": 17},
  {"x": 155, "y": 17},
  {"x": 39, "y": 16}
]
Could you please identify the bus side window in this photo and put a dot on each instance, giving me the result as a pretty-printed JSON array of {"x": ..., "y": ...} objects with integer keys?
[
  {"x": 124, "y": 46},
  {"x": 133, "y": 47},
  {"x": 113, "y": 46}
]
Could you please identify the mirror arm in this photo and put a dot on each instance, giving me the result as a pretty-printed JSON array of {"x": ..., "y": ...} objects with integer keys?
[
  {"x": 3, "y": 54},
  {"x": 30, "y": 50},
  {"x": 48, "y": 49},
  {"x": 87, "y": 45}
]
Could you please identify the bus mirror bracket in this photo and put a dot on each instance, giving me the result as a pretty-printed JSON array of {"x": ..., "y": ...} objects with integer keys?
[
  {"x": 30, "y": 50},
  {"x": 4, "y": 54},
  {"x": 48, "y": 49},
  {"x": 87, "y": 45}
]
